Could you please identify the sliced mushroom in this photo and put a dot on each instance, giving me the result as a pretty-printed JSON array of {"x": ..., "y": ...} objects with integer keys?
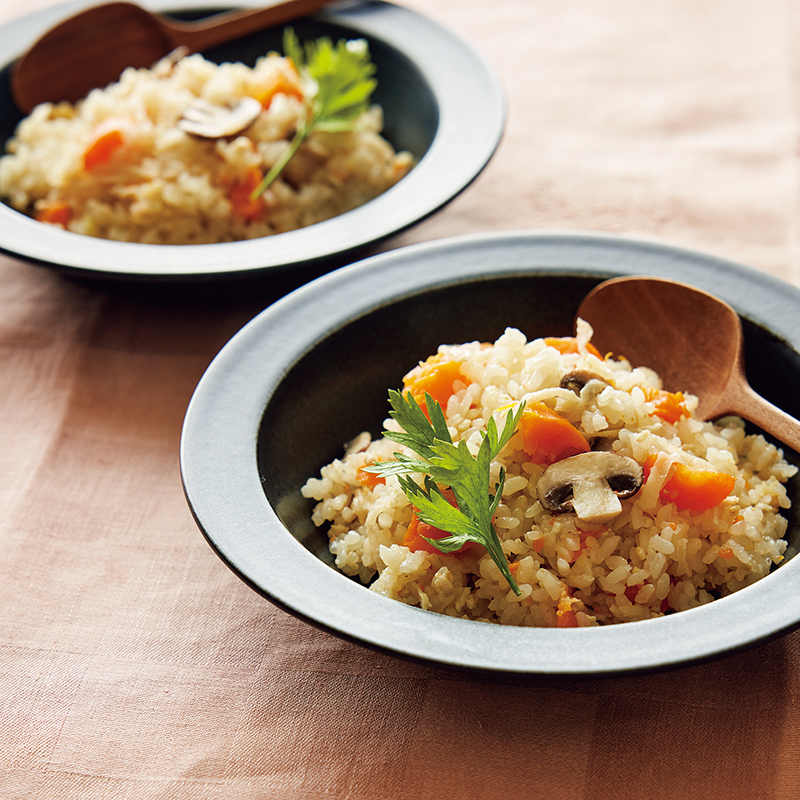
[
  {"x": 604, "y": 440},
  {"x": 219, "y": 122},
  {"x": 578, "y": 379},
  {"x": 590, "y": 484}
]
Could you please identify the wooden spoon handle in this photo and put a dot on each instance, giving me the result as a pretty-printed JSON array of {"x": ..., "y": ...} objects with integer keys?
[
  {"x": 227, "y": 26},
  {"x": 741, "y": 399}
]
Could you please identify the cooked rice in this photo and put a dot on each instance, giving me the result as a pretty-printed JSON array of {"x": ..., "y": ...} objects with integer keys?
[
  {"x": 651, "y": 559},
  {"x": 166, "y": 186}
]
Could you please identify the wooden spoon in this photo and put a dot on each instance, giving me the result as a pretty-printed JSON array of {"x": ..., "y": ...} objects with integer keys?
[
  {"x": 92, "y": 48},
  {"x": 691, "y": 338}
]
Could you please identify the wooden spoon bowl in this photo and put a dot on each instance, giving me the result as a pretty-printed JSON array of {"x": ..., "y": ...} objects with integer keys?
[
  {"x": 92, "y": 48},
  {"x": 692, "y": 339}
]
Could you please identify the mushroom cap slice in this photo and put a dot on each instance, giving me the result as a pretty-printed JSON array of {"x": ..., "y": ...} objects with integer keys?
[
  {"x": 218, "y": 122},
  {"x": 590, "y": 484},
  {"x": 578, "y": 378}
]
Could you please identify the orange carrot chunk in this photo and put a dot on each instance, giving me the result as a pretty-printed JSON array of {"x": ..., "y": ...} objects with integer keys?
[
  {"x": 418, "y": 530},
  {"x": 566, "y": 619},
  {"x": 565, "y": 616},
  {"x": 108, "y": 137},
  {"x": 241, "y": 196},
  {"x": 368, "y": 479},
  {"x": 697, "y": 489},
  {"x": 668, "y": 405},
  {"x": 548, "y": 437},
  {"x": 569, "y": 344},
  {"x": 632, "y": 591},
  {"x": 56, "y": 212},
  {"x": 692, "y": 488},
  {"x": 435, "y": 376},
  {"x": 281, "y": 83},
  {"x": 648, "y": 465}
]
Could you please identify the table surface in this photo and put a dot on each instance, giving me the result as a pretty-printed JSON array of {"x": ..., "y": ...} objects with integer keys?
[{"x": 133, "y": 664}]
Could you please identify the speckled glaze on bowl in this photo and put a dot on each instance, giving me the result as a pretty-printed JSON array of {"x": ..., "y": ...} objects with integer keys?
[
  {"x": 441, "y": 102},
  {"x": 313, "y": 370}
]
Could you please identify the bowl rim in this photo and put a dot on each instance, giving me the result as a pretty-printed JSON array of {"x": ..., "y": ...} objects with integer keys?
[
  {"x": 450, "y": 165},
  {"x": 222, "y": 486}
]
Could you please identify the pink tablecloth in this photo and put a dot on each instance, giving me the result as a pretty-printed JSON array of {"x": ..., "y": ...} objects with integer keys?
[{"x": 134, "y": 665}]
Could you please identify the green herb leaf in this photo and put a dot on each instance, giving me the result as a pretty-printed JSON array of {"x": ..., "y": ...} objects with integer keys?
[
  {"x": 339, "y": 83},
  {"x": 443, "y": 462}
]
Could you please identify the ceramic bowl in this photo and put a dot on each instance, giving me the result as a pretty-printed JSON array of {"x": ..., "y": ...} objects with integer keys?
[
  {"x": 313, "y": 370},
  {"x": 441, "y": 102}
]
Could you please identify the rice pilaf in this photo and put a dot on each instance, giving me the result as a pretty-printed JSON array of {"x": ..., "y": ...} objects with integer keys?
[
  {"x": 118, "y": 165},
  {"x": 705, "y": 521}
]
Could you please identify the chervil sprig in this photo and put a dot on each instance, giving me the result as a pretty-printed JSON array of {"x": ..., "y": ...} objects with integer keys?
[
  {"x": 443, "y": 463},
  {"x": 337, "y": 82}
]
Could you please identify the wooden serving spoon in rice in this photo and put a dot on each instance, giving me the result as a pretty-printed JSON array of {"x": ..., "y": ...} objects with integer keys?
[
  {"x": 93, "y": 47},
  {"x": 692, "y": 339}
]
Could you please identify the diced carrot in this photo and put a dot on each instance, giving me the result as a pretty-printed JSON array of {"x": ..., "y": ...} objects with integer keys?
[
  {"x": 435, "y": 376},
  {"x": 281, "y": 83},
  {"x": 417, "y": 529},
  {"x": 668, "y": 405},
  {"x": 56, "y": 212},
  {"x": 368, "y": 479},
  {"x": 692, "y": 488},
  {"x": 566, "y": 619},
  {"x": 726, "y": 552},
  {"x": 108, "y": 137},
  {"x": 241, "y": 196},
  {"x": 569, "y": 344},
  {"x": 697, "y": 489},
  {"x": 631, "y": 592},
  {"x": 583, "y": 536},
  {"x": 417, "y": 533},
  {"x": 565, "y": 616},
  {"x": 538, "y": 544},
  {"x": 547, "y": 436}
]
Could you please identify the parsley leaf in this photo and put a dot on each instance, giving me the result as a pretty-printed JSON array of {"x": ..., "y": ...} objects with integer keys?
[
  {"x": 338, "y": 84},
  {"x": 443, "y": 462}
]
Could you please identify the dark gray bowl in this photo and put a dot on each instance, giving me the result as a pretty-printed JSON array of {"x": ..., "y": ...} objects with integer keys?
[
  {"x": 313, "y": 370},
  {"x": 441, "y": 102}
]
